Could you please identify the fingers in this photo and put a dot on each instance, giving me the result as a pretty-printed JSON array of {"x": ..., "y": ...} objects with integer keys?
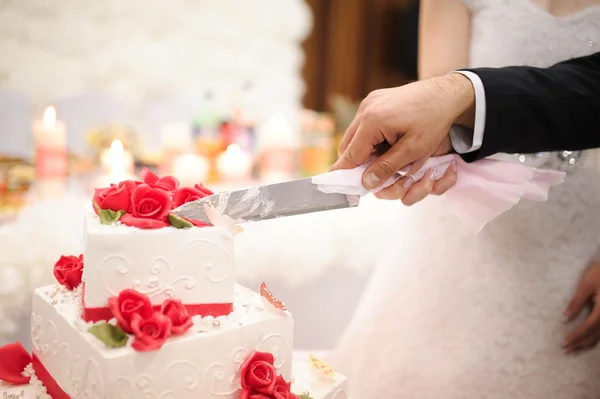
[
  {"x": 579, "y": 300},
  {"x": 397, "y": 190},
  {"x": 447, "y": 181},
  {"x": 350, "y": 132},
  {"x": 420, "y": 189},
  {"x": 402, "y": 153},
  {"x": 587, "y": 343},
  {"x": 360, "y": 148},
  {"x": 582, "y": 335}
]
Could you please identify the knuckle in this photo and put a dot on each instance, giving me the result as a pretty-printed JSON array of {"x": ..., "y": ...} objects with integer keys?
[{"x": 386, "y": 167}]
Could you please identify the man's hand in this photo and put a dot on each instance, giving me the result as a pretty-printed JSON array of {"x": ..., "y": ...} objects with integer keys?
[
  {"x": 414, "y": 121},
  {"x": 586, "y": 335}
]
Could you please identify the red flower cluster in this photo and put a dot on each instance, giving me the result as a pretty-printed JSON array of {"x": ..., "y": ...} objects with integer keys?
[
  {"x": 135, "y": 315},
  {"x": 147, "y": 203},
  {"x": 68, "y": 271},
  {"x": 259, "y": 379}
]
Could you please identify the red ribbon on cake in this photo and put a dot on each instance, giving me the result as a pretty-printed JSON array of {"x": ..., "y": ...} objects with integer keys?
[
  {"x": 14, "y": 358},
  {"x": 95, "y": 315}
]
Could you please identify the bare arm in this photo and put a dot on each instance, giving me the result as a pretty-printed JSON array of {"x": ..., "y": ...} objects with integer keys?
[{"x": 444, "y": 34}]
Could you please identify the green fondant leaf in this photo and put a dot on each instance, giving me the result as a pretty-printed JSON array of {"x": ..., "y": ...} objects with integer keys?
[
  {"x": 108, "y": 216},
  {"x": 179, "y": 222},
  {"x": 96, "y": 207},
  {"x": 111, "y": 335},
  {"x": 305, "y": 396}
]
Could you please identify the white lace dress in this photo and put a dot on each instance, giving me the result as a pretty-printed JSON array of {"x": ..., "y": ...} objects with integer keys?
[{"x": 450, "y": 315}]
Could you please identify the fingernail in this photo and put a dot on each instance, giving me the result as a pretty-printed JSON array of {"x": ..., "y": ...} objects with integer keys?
[
  {"x": 408, "y": 182},
  {"x": 433, "y": 174},
  {"x": 371, "y": 180},
  {"x": 565, "y": 319},
  {"x": 454, "y": 166}
]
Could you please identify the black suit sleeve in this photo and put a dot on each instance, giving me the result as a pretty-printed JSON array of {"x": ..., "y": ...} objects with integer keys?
[{"x": 541, "y": 109}]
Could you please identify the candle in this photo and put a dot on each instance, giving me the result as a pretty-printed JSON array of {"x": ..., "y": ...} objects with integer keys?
[
  {"x": 50, "y": 137},
  {"x": 279, "y": 150},
  {"x": 176, "y": 141},
  {"x": 190, "y": 169},
  {"x": 116, "y": 162},
  {"x": 234, "y": 164}
]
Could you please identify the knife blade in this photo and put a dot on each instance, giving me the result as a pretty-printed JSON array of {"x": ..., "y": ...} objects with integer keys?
[{"x": 270, "y": 201}]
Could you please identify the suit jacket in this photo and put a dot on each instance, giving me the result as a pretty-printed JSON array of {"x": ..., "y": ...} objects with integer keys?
[{"x": 541, "y": 109}]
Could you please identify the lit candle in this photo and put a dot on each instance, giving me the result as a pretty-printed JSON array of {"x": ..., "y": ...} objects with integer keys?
[
  {"x": 234, "y": 164},
  {"x": 190, "y": 169},
  {"x": 117, "y": 162},
  {"x": 50, "y": 136},
  {"x": 278, "y": 150}
]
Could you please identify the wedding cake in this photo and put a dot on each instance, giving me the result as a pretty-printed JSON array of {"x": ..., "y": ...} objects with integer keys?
[{"x": 150, "y": 309}]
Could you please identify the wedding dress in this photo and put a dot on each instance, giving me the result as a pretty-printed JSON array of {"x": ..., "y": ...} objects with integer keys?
[{"x": 451, "y": 315}]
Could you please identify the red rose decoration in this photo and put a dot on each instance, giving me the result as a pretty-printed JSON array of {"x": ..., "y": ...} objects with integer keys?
[
  {"x": 246, "y": 394},
  {"x": 167, "y": 183},
  {"x": 183, "y": 195},
  {"x": 180, "y": 318},
  {"x": 281, "y": 389},
  {"x": 258, "y": 373},
  {"x": 205, "y": 190},
  {"x": 141, "y": 223},
  {"x": 115, "y": 197},
  {"x": 68, "y": 271},
  {"x": 150, "y": 334},
  {"x": 150, "y": 203},
  {"x": 128, "y": 304}
]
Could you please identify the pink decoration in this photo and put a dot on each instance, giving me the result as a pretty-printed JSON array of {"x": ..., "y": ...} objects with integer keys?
[{"x": 485, "y": 189}]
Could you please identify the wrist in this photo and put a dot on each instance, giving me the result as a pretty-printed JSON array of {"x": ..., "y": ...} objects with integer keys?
[{"x": 462, "y": 100}]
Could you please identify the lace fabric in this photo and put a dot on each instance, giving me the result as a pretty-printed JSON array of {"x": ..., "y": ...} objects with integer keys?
[{"x": 452, "y": 315}]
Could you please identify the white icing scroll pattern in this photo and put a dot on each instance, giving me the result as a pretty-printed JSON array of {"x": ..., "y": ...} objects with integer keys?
[
  {"x": 223, "y": 381},
  {"x": 340, "y": 394},
  {"x": 81, "y": 378},
  {"x": 153, "y": 287},
  {"x": 215, "y": 260},
  {"x": 178, "y": 380},
  {"x": 36, "y": 332},
  {"x": 277, "y": 345}
]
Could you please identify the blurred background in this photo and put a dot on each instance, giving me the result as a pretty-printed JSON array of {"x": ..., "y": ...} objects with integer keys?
[{"x": 227, "y": 93}]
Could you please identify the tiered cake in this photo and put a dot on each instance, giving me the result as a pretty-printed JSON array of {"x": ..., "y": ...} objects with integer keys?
[{"x": 155, "y": 313}]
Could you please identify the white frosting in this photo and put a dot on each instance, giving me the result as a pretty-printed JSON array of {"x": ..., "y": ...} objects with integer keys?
[
  {"x": 307, "y": 380},
  {"x": 201, "y": 364},
  {"x": 195, "y": 265}
]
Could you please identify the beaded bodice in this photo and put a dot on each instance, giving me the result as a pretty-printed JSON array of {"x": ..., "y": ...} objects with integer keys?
[{"x": 519, "y": 32}]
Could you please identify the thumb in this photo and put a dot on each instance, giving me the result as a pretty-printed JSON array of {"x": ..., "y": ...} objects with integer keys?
[
  {"x": 578, "y": 302},
  {"x": 402, "y": 153}
]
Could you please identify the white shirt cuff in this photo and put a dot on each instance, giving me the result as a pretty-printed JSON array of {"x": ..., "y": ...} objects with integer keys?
[{"x": 464, "y": 140}]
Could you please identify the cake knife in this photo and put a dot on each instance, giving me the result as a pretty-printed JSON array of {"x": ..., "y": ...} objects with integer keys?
[{"x": 270, "y": 201}]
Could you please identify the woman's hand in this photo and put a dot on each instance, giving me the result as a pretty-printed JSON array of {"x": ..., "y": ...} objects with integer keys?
[
  {"x": 411, "y": 192},
  {"x": 587, "y": 335}
]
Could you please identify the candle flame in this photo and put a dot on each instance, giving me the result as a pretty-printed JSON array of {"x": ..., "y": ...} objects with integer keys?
[{"x": 50, "y": 116}]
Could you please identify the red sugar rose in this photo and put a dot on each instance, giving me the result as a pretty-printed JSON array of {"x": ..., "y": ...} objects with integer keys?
[
  {"x": 258, "y": 373},
  {"x": 180, "y": 318},
  {"x": 167, "y": 183},
  {"x": 141, "y": 223},
  {"x": 150, "y": 334},
  {"x": 150, "y": 203},
  {"x": 205, "y": 190},
  {"x": 116, "y": 197},
  {"x": 183, "y": 195},
  {"x": 68, "y": 271},
  {"x": 245, "y": 394},
  {"x": 128, "y": 304},
  {"x": 281, "y": 389}
]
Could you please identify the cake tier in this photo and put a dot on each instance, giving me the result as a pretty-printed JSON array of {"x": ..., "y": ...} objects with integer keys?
[
  {"x": 203, "y": 363},
  {"x": 305, "y": 381},
  {"x": 195, "y": 265}
]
